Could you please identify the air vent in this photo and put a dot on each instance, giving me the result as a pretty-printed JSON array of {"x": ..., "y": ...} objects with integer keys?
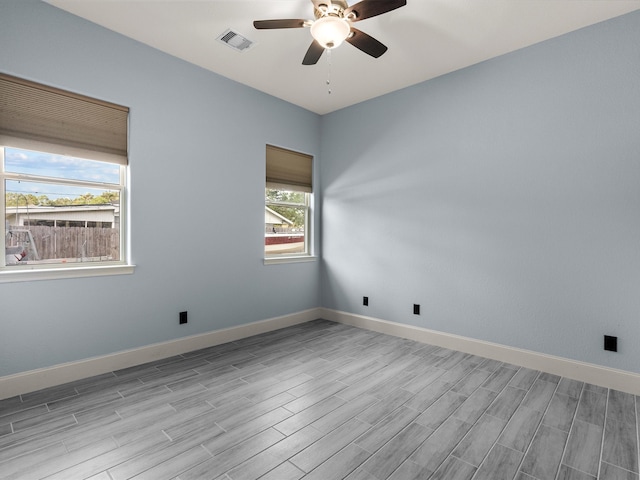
[{"x": 235, "y": 40}]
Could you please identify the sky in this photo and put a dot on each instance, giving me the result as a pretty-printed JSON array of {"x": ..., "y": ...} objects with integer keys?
[{"x": 57, "y": 166}]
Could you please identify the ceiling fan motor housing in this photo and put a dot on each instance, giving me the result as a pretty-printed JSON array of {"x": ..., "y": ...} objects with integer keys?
[{"x": 335, "y": 8}]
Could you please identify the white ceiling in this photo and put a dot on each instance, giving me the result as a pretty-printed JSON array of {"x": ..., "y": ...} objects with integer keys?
[{"x": 426, "y": 39}]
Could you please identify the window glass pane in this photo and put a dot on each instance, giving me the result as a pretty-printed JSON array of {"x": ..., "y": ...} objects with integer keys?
[
  {"x": 22, "y": 193},
  {"x": 285, "y": 196},
  {"x": 59, "y": 166},
  {"x": 53, "y": 223},
  {"x": 284, "y": 229}
]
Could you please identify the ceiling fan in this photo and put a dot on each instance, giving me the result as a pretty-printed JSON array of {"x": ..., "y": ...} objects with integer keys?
[{"x": 333, "y": 25}]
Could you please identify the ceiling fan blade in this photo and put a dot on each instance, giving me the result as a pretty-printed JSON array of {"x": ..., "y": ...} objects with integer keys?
[
  {"x": 283, "y": 23},
  {"x": 371, "y": 8},
  {"x": 366, "y": 43},
  {"x": 313, "y": 54}
]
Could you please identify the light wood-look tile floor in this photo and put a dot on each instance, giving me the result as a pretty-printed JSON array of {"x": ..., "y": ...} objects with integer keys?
[{"x": 322, "y": 401}]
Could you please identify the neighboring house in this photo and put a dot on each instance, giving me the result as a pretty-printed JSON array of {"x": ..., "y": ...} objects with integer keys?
[
  {"x": 103, "y": 216},
  {"x": 279, "y": 238},
  {"x": 273, "y": 219}
]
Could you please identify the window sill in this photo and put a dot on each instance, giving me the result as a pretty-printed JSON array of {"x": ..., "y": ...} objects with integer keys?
[
  {"x": 29, "y": 275},
  {"x": 279, "y": 260}
]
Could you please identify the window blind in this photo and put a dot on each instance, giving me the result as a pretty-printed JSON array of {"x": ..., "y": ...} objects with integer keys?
[
  {"x": 288, "y": 170},
  {"x": 39, "y": 117}
]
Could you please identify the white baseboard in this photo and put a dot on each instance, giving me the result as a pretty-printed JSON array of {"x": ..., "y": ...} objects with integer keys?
[
  {"x": 33, "y": 380},
  {"x": 585, "y": 372}
]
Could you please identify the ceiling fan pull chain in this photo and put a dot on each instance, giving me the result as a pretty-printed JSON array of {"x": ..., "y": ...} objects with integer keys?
[{"x": 329, "y": 72}]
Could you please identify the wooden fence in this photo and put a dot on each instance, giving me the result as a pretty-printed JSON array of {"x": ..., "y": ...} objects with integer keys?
[{"x": 75, "y": 242}]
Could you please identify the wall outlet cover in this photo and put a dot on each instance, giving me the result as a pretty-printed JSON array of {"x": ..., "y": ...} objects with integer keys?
[{"x": 610, "y": 343}]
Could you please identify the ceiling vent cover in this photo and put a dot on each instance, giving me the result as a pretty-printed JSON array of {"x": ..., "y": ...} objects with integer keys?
[{"x": 235, "y": 40}]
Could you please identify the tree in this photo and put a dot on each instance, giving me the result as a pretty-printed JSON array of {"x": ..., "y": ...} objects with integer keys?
[
  {"x": 84, "y": 199},
  {"x": 13, "y": 199},
  {"x": 107, "y": 197},
  {"x": 21, "y": 199},
  {"x": 285, "y": 196}
]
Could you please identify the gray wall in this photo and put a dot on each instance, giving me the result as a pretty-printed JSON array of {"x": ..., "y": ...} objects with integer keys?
[
  {"x": 197, "y": 153},
  {"x": 504, "y": 198}
]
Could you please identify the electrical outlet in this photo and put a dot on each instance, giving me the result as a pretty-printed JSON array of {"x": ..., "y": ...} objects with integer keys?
[
  {"x": 183, "y": 317},
  {"x": 365, "y": 301},
  {"x": 416, "y": 309},
  {"x": 611, "y": 343}
]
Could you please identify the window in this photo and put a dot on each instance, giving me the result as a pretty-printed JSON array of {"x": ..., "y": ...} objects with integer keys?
[
  {"x": 63, "y": 162},
  {"x": 287, "y": 204}
]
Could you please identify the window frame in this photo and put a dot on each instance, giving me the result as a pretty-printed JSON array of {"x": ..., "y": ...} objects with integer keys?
[{"x": 29, "y": 272}]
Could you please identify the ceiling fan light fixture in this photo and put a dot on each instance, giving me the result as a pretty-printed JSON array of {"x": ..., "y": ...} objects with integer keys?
[{"x": 330, "y": 31}]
